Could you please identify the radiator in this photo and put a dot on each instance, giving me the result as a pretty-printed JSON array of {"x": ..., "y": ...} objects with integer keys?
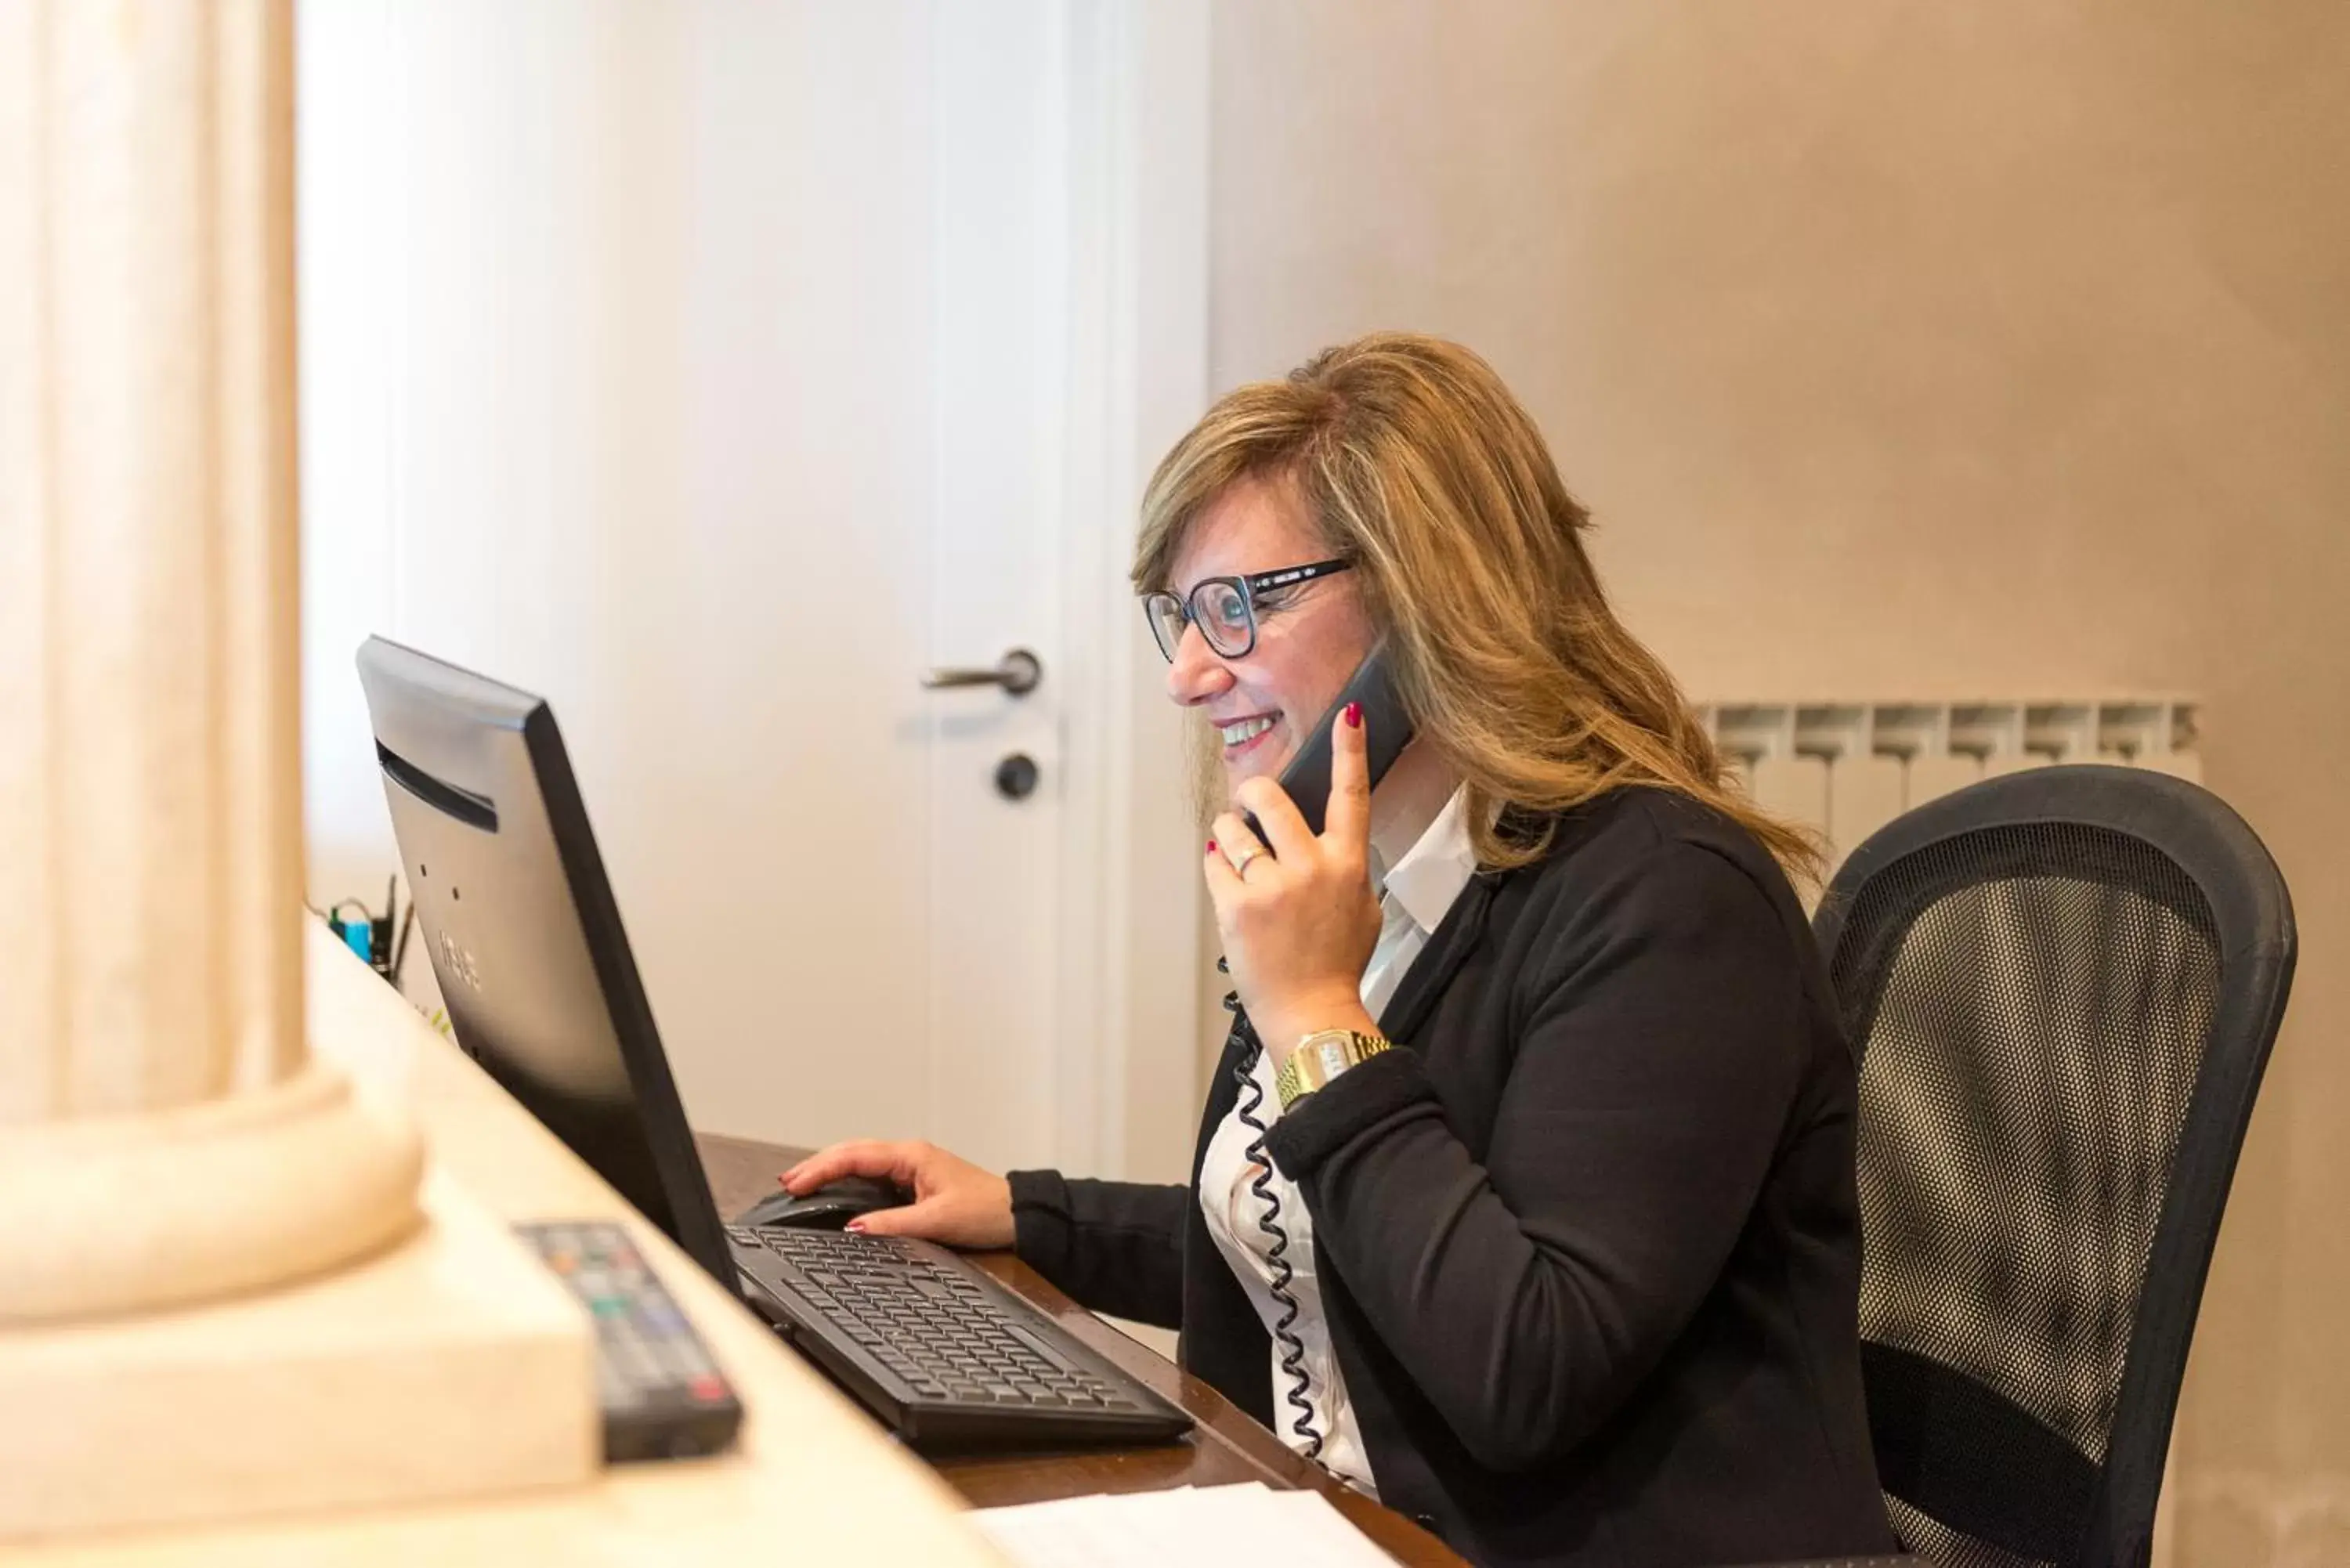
[{"x": 1846, "y": 769}]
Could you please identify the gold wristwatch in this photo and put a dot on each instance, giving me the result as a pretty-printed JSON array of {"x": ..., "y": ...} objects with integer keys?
[{"x": 1322, "y": 1056}]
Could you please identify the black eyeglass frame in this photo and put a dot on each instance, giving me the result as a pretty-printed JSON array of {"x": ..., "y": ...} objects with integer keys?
[{"x": 1248, "y": 588}]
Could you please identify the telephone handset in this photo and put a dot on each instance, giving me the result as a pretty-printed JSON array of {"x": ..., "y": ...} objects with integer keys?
[{"x": 1307, "y": 779}]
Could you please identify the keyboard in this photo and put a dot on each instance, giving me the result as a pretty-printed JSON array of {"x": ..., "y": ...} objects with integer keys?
[{"x": 940, "y": 1351}]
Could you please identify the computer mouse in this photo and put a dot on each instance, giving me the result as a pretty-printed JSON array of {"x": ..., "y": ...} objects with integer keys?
[{"x": 828, "y": 1207}]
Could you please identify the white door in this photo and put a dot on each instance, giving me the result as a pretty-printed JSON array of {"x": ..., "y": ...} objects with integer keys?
[{"x": 717, "y": 369}]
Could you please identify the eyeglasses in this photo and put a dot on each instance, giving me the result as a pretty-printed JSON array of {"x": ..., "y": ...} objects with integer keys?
[{"x": 1225, "y": 609}]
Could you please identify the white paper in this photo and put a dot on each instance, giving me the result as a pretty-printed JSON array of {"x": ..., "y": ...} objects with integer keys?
[{"x": 1183, "y": 1528}]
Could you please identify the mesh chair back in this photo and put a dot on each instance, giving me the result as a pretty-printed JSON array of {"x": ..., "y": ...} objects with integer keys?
[{"x": 2064, "y": 985}]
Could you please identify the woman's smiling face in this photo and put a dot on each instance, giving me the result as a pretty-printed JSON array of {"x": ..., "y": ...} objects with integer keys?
[{"x": 1309, "y": 638}]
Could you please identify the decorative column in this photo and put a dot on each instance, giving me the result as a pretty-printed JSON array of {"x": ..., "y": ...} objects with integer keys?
[
  {"x": 226, "y": 1287},
  {"x": 164, "y": 1136}
]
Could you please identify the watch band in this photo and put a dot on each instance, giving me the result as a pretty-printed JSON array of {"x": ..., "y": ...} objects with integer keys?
[{"x": 1322, "y": 1056}]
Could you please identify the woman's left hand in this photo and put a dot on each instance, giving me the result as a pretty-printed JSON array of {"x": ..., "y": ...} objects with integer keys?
[{"x": 1299, "y": 929}]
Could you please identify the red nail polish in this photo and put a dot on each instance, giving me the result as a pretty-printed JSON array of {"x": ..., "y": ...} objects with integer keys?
[
  {"x": 1211, "y": 847},
  {"x": 855, "y": 1225},
  {"x": 1354, "y": 715}
]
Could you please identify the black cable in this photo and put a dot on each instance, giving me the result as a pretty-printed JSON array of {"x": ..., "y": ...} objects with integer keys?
[
  {"x": 1293, "y": 1348},
  {"x": 382, "y": 933},
  {"x": 399, "y": 949}
]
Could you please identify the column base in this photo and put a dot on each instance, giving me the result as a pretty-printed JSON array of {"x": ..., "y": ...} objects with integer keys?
[
  {"x": 451, "y": 1365},
  {"x": 129, "y": 1213}
]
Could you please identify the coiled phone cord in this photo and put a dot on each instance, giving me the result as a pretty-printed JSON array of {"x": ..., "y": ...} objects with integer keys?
[{"x": 1293, "y": 1348}]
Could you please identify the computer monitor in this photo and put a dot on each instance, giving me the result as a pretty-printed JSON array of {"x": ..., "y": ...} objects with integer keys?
[{"x": 525, "y": 934}]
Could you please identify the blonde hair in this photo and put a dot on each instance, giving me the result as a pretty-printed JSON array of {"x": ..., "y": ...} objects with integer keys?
[{"x": 1417, "y": 464}]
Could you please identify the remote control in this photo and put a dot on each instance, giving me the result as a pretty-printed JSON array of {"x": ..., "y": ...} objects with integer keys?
[{"x": 663, "y": 1397}]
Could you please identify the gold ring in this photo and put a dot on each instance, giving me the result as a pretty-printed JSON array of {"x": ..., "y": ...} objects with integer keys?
[{"x": 1241, "y": 862}]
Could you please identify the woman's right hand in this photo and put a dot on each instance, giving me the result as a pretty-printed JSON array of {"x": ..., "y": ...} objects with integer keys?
[{"x": 955, "y": 1201}]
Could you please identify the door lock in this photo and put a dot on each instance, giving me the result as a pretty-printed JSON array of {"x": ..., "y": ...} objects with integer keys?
[{"x": 1015, "y": 776}]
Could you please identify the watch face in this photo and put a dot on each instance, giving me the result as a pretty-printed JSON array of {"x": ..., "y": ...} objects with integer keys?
[{"x": 1336, "y": 1057}]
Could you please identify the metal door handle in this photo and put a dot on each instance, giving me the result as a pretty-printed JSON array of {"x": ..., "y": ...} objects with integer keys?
[{"x": 1017, "y": 672}]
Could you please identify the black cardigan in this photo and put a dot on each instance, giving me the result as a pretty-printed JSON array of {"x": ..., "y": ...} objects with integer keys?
[{"x": 1589, "y": 1244}]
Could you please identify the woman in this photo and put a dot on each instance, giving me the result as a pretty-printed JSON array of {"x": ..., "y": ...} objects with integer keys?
[{"x": 1556, "y": 1247}]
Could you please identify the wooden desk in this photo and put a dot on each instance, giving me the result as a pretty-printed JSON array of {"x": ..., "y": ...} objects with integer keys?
[
  {"x": 1226, "y": 1446},
  {"x": 812, "y": 1478}
]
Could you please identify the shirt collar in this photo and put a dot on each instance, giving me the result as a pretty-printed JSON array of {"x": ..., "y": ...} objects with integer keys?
[{"x": 1427, "y": 878}]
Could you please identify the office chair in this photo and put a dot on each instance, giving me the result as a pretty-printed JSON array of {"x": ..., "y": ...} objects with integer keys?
[{"x": 2063, "y": 985}]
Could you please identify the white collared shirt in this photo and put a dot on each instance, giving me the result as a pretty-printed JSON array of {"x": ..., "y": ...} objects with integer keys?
[{"x": 1414, "y": 895}]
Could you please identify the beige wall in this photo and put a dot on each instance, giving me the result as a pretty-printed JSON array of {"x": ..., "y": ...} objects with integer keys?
[{"x": 1997, "y": 349}]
